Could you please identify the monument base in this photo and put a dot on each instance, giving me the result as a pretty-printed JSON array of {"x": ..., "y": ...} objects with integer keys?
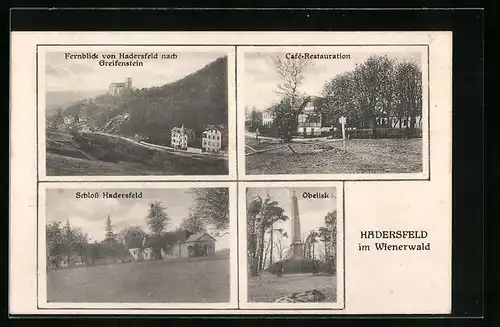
[{"x": 296, "y": 251}]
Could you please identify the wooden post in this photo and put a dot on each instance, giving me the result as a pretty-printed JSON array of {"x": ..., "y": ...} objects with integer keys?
[{"x": 343, "y": 121}]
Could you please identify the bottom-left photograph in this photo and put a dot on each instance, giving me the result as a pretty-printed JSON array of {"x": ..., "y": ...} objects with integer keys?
[{"x": 136, "y": 245}]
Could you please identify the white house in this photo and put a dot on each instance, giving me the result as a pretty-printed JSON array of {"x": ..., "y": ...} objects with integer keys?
[
  {"x": 214, "y": 139},
  {"x": 267, "y": 118},
  {"x": 180, "y": 137}
]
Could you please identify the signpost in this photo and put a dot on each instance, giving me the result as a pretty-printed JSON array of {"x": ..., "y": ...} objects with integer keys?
[{"x": 343, "y": 121}]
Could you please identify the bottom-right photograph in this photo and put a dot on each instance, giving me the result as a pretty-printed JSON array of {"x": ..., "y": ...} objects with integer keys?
[{"x": 294, "y": 245}]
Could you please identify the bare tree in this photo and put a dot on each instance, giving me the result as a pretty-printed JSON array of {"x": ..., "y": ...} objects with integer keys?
[
  {"x": 291, "y": 73},
  {"x": 194, "y": 223},
  {"x": 132, "y": 233},
  {"x": 279, "y": 246}
]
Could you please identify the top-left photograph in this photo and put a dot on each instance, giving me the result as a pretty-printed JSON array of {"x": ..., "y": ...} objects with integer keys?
[{"x": 134, "y": 111}]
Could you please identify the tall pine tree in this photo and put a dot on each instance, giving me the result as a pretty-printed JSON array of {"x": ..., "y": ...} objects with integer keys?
[{"x": 110, "y": 235}]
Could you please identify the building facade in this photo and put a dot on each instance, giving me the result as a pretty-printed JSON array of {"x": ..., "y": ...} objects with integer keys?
[
  {"x": 214, "y": 139},
  {"x": 199, "y": 245},
  {"x": 394, "y": 122},
  {"x": 180, "y": 137},
  {"x": 267, "y": 119},
  {"x": 116, "y": 88},
  {"x": 309, "y": 121}
]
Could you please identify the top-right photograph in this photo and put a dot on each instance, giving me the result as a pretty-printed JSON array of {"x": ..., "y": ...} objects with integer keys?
[{"x": 343, "y": 111}]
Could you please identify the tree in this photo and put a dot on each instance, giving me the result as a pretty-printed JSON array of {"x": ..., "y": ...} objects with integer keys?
[
  {"x": 325, "y": 237},
  {"x": 255, "y": 120},
  {"x": 371, "y": 80},
  {"x": 212, "y": 207},
  {"x": 132, "y": 233},
  {"x": 331, "y": 227},
  {"x": 291, "y": 73},
  {"x": 279, "y": 246},
  {"x": 55, "y": 242},
  {"x": 81, "y": 241},
  {"x": 110, "y": 235},
  {"x": 261, "y": 216},
  {"x": 157, "y": 219},
  {"x": 408, "y": 92},
  {"x": 311, "y": 239},
  {"x": 68, "y": 240},
  {"x": 253, "y": 210},
  {"x": 194, "y": 223},
  {"x": 339, "y": 99}
]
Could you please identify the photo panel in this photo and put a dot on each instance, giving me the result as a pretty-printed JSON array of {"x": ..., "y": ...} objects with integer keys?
[
  {"x": 137, "y": 112},
  {"x": 148, "y": 246},
  {"x": 340, "y": 112},
  {"x": 291, "y": 246}
]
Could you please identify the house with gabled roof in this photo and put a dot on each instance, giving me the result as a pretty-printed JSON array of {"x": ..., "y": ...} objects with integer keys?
[
  {"x": 177, "y": 244},
  {"x": 199, "y": 245}
]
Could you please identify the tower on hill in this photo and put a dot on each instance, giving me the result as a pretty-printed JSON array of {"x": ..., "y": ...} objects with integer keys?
[{"x": 116, "y": 88}]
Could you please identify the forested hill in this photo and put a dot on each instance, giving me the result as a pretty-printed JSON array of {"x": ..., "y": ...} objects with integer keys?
[{"x": 197, "y": 100}]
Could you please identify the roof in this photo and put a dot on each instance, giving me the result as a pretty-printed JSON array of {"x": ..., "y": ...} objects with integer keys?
[
  {"x": 308, "y": 100},
  {"x": 196, "y": 237},
  {"x": 183, "y": 128},
  {"x": 220, "y": 128},
  {"x": 134, "y": 243},
  {"x": 167, "y": 239}
]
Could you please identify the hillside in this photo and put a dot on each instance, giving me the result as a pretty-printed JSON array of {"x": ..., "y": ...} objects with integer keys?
[
  {"x": 55, "y": 100},
  {"x": 197, "y": 100}
]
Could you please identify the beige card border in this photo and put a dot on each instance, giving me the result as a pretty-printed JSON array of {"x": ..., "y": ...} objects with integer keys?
[{"x": 42, "y": 49}]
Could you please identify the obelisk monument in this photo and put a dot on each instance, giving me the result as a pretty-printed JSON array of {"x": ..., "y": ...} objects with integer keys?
[{"x": 296, "y": 247}]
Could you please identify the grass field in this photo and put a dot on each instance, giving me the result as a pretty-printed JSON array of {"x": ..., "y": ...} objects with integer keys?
[
  {"x": 66, "y": 157},
  {"x": 268, "y": 287},
  {"x": 327, "y": 157},
  {"x": 191, "y": 280}
]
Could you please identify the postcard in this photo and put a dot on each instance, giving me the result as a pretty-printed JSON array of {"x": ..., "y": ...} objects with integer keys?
[{"x": 208, "y": 173}]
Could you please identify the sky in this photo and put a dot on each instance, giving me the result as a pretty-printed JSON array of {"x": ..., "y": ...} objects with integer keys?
[
  {"x": 91, "y": 214},
  {"x": 312, "y": 212},
  {"x": 86, "y": 75},
  {"x": 261, "y": 79}
]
